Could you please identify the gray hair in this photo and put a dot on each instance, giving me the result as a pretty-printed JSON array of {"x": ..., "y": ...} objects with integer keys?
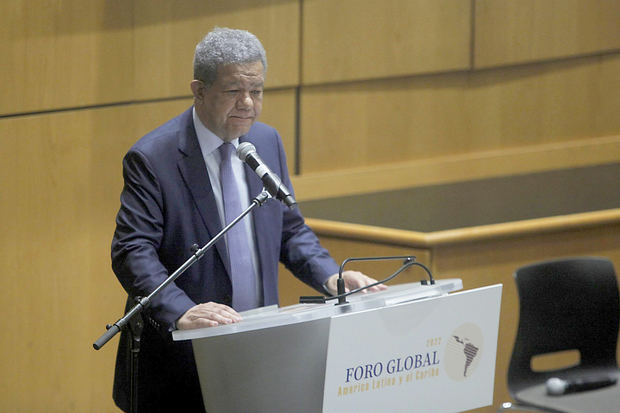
[{"x": 223, "y": 46}]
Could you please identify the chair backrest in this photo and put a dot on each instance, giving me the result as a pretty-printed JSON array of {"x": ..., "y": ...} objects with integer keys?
[{"x": 565, "y": 304}]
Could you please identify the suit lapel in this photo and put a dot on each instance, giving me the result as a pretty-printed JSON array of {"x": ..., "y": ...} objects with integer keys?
[{"x": 195, "y": 175}]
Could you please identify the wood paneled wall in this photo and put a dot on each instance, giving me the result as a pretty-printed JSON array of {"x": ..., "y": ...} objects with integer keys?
[
  {"x": 509, "y": 32},
  {"x": 353, "y": 87},
  {"x": 64, "y": 53},
  {"x": 416, "y": 82},
  {"x": 395, "y": 120},
  {"x": 350, "y": 40}
]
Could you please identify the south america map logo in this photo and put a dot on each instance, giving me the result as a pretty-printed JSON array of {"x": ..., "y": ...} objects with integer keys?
[{"x": 463, "y": 351}]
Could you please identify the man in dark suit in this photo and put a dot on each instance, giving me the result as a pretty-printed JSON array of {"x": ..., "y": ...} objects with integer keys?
[{"x": 175, "y": 195}]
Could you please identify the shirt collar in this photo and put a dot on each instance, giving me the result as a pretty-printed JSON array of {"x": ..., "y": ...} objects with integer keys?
[{"x": 208, "y": 140}]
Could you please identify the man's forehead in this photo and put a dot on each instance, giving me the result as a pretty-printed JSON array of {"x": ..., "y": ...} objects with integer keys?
[
  {"x": 254, "y": 80},
  {"x": 239, "y": 78},
  {"x": 254, "y": 69}
]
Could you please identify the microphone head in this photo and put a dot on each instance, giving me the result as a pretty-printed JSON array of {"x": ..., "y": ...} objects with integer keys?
[
  {"x": 556, "y": 386},
  {"x": 244, "y": 149}
]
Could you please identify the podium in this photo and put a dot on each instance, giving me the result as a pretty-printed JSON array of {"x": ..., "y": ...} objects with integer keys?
[{"x": 413, "y": 347}]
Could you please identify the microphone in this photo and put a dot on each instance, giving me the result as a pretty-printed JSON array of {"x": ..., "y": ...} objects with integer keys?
[
  {"x": 247, "y": 153},
  {"x": 557, "y": 387},
  {"x": 409, "y": 260}
]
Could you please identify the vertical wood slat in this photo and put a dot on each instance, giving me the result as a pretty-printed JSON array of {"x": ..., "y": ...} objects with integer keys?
[
  {"x": 352, "y": 39},
  {"x": 65, "y": 53},
  {"x": 512, "y": 32}
]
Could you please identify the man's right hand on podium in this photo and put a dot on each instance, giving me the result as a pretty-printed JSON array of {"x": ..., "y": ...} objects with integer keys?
[
  {"x": 207, "y": 315},
  {"x": 353, "y": 280}
]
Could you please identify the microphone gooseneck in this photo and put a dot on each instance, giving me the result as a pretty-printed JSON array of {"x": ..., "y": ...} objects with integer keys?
[{"x": 408, "y": 261}]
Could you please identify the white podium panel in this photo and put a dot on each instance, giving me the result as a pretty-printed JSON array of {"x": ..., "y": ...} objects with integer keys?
[
  {"x": 403, "y": 349},
  {"x": 278, "y": 369},
  {"x": 433, "y": 355}
]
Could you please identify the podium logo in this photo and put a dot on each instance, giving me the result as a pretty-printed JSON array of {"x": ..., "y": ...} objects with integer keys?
[{"x": 463, "y": 351}]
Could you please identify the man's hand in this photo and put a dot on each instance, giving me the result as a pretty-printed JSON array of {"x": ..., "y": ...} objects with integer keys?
[
  {"x": 207, "y": 315},
  {"x": 353, "y": 280}
]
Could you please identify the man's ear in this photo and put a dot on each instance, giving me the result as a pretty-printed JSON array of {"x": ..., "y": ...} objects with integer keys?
[{"x": 198, "y": 89}]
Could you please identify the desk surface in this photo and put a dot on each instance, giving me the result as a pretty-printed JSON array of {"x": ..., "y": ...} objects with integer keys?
[
  {"x": 275, "y": 316},
  {"x": 480, "y": 202}
]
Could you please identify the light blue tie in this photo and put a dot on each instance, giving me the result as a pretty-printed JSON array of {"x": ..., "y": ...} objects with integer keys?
[{"x": 243, "y": 276}]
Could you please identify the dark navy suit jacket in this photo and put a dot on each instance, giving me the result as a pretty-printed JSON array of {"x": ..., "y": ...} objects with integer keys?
[{"x": 167, "y": 205}]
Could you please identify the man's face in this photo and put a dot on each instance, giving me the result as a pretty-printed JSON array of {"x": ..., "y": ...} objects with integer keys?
[{"x": 233, "y": 102}]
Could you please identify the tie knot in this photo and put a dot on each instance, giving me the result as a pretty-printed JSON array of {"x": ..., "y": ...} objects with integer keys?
[{"x": 226, "y": 150}]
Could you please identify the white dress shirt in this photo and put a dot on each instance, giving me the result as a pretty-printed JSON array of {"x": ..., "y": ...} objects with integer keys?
[{"x": 209, "y": 144}]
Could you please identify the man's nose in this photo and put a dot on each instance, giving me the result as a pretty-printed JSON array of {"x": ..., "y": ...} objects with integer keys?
[{"x": 245, "y": 101}]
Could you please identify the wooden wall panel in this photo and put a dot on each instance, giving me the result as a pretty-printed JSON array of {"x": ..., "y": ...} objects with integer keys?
[
  {"x": 509, "y": 32},
  {"x": 166, "y": 34},
  {"x": 64, "y": 53},
  {"x": 72, "y": 54},
  {"x": 353, "y": 39},
  {"x": 279, "y": 111},
  {"x": 61, "y": 181},
  {"x": 381, "y": 122},
  {"x": 149, "y": 116},
  {"x": 57, "y": 287},
  {"x": 449, "y": 169}
]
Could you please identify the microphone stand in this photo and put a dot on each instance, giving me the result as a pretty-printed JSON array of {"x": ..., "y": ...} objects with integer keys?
[
  {"x": 342, "y": 294},
  {"x": 133, "y": 317}
]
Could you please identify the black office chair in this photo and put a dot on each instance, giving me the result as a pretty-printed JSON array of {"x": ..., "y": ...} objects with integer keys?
[{"x": 566, "y": 304}]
